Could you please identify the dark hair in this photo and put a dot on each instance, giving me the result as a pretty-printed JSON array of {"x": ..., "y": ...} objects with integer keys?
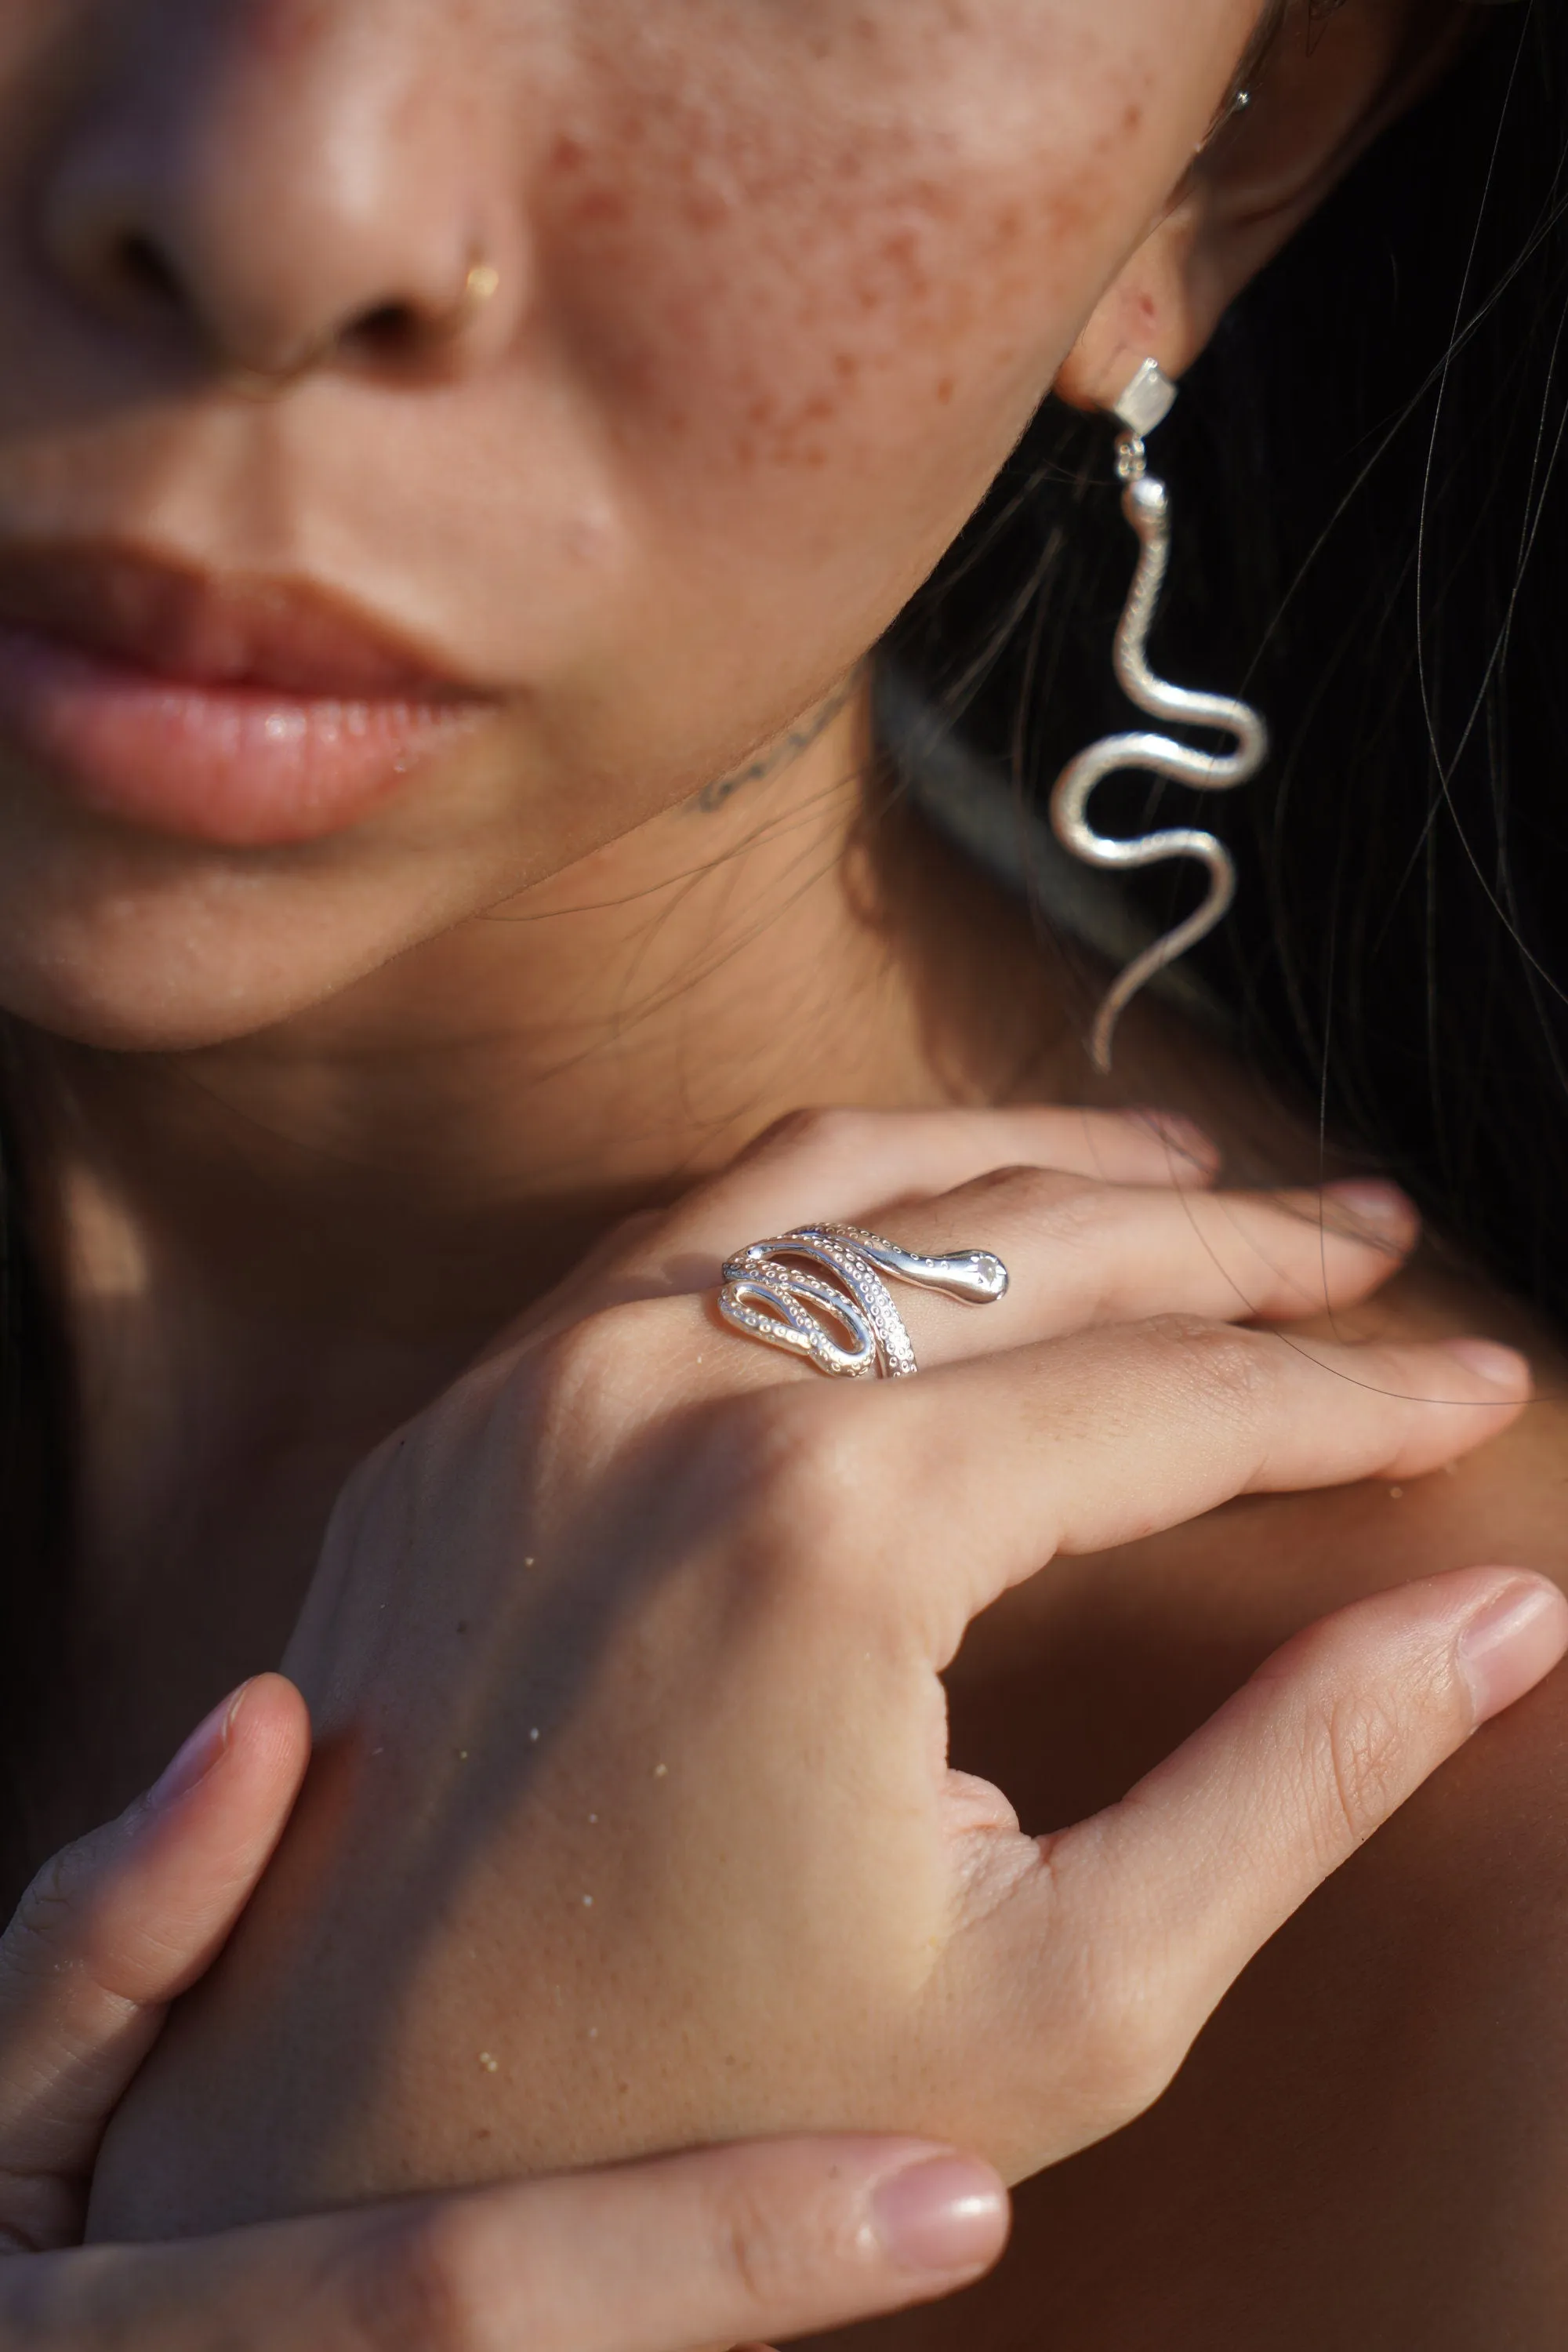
[
  {"x": 37, "y": 1418},
  {"x": 1372, "y": 542}
]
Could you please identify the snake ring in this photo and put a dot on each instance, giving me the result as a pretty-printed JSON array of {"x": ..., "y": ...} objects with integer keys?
[{"x": 818, "y": 1292}]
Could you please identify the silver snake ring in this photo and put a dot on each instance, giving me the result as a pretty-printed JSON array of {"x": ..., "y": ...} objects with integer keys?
[{"x": 818, "y": 1293}]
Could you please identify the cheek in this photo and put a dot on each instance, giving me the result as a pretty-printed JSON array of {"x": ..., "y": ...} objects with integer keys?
[{"x": 809, "y": 263}]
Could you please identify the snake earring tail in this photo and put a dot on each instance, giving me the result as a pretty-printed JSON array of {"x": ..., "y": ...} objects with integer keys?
[{"x": 1146, "y": 403}]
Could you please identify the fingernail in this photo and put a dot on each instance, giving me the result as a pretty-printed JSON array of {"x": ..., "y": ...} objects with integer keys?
[
  {"x": 1181, "y": 1134},
  {"x": 1504, "y": 1367},
  {"x": 1382, "y": 1209},
  {"x": 200, "y": 1752},
  {"x": 1510, "y": 1644},
  {"x": 945, "y": 2213}
]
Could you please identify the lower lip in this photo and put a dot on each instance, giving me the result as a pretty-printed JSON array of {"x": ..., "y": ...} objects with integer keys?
[{"x": 237, "y": 766}]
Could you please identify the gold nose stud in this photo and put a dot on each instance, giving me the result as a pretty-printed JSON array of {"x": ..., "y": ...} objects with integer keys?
[{"x": 480, "y": 287}]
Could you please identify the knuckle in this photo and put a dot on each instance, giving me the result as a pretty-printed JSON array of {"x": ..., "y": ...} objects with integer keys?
[
  {"x": 1118, "y": 2026},
  {"x": 595, "y": 1374},
  {"x": 1361, "y": 1754},
  {"x": 757, "y": 2250},
  {"x": 53, "y": 1919},
  {"x": 802, "y": 1478},
  {"x": 827, "y": 1131},
  {"x": 416, "y": 2287},
  {"x": 1056, "y": 1206},
  {"x": 1222, "y": 1364},
  {"x": 1127, "y": 2048}
]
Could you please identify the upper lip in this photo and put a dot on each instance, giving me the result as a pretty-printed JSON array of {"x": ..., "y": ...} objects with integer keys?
[{"x": 179, "y": 622}]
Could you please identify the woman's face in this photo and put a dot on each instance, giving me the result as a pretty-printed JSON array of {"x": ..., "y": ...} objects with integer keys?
[{"x": 341, "y": 610}]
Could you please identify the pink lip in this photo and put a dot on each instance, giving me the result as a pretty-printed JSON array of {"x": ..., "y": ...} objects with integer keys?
[{"x": 250, "y": 716}]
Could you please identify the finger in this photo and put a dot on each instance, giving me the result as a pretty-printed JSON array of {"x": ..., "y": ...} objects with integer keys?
[
  {"x": 840, "y": 1165},
  {"x": 115, "y": 1927},
  {"x": 1171, "y": 1893},
  {"x": 1079, "y": 1253},
  {"x": 1093, "y": 1441},
  {"x": 773, "y": 2239},
  {"x": 843, "y": 1164}
]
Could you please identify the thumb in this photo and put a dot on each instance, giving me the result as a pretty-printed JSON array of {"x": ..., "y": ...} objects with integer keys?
[
  {"x": 1167, "y": 1896},
  {"x": 116, "y": 1926}
]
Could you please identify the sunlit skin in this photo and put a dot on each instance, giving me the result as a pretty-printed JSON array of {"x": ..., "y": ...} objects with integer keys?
[
  {"x": 755, "y": 407},
  {"x": 776, "y": 288}
]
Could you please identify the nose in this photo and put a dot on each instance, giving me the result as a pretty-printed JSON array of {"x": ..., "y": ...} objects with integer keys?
[{"x": 282, "y": 183}]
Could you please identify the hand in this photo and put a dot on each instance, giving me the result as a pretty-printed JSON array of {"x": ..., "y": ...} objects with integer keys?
[
  {"x": 781, "y": 2238},
  {"x": 632, "y": 1827}
]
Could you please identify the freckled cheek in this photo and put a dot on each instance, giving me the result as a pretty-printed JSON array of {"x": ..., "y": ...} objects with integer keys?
[{"x": 774, "y": 351}]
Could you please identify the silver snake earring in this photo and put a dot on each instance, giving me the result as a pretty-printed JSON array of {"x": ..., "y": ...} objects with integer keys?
[{"x": 1146, "y": 403}]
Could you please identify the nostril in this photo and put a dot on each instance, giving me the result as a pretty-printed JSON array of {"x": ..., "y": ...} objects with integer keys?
[
  {"x": 142, "y": 267},
  {"x": 389, "y": 330}
]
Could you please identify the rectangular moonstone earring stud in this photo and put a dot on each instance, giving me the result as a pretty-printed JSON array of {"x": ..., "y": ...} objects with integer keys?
[{"x": 1147, "y": 401}]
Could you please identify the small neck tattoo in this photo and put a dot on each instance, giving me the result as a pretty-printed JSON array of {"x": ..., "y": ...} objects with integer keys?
[{"x": 801, "y": 738}]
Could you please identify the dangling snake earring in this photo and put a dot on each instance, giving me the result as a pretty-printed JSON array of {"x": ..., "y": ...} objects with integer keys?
[{"x": 1146, "y": 403}]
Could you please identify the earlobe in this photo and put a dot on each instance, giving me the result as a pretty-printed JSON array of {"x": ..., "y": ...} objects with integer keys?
[
  {"x": 1147, "y": 312},
  {"x": 1317, "y": 107}
]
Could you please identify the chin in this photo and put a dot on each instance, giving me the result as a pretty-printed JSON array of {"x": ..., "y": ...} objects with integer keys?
[
  {"x": 196, "y": 960},
  {"x": 139, "y": 942},
  {"x": 161, "y": 996}
]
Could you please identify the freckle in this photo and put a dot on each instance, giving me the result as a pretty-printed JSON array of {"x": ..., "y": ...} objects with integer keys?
[
  {"x": 608, "y": 207},
  {"x": 945, "y": 391},
  {"x": 463, "y": 1627},
  {"x": 1132, "y": 119},
  {"x": 705, "y": 212}
]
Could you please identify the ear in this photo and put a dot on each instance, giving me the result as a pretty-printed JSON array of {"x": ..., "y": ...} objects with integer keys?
[{"x": 1319, "y": 100}]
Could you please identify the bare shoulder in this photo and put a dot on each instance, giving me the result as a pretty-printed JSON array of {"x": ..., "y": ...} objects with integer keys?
[{"x": 1370, "y": 2144}]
